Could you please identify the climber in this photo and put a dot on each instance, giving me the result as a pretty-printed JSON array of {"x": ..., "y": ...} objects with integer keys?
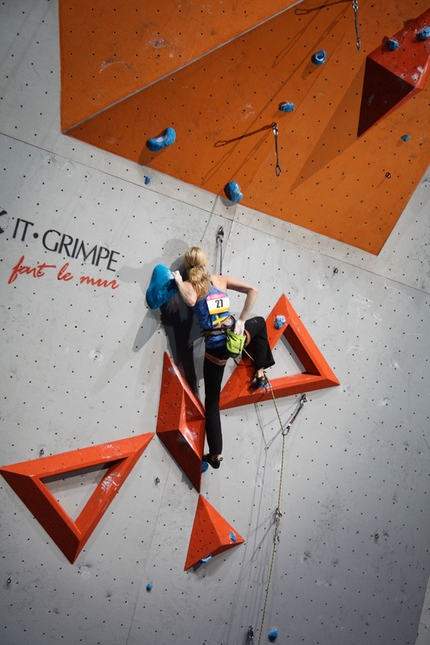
[{"x": 207, "y": 295}]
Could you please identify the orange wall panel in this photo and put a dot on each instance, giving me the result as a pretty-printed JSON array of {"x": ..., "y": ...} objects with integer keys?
[
  {"x": 113, "y": 48},
  {"x": 223, "y": 105}
]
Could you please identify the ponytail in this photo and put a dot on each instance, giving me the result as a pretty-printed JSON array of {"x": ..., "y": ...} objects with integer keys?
[{"x": 196, "y": 262}]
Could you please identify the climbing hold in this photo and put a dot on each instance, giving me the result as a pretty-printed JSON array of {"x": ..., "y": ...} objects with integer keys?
[
  {"x": 161, "y": 287},
  {"x": 232, "y": 191},
  {"x": 205, "y": 466},
  {"x": 273, "y": 635},
  {"x": 233, "y": 537},
  {"x": 204, "y": 560},
  {"x": 424, "y": 34},
  {"x": 286, "y": 107},
  {"x": 147, "y": 179},
  {"x": 319, "y": 57},
  {"x": 165, "y": 139},
  {"x": 392, "y": 44},
  {"x": 148, "y": 586},
  {"x": 280, "y": 321},
  {"x": 406, "y": 137}
]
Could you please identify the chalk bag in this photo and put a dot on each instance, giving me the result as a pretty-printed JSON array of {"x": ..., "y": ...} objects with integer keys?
[{"x": 235, "y": 343}]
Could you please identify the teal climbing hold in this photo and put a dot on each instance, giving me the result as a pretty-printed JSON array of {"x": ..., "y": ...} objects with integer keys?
[
  {"x": 424, "y": 34},
  {"x": 392, "y": 44},
  {"x": 165, "y": 139},
  {"x": 287, "y": 106},
  {"x": 280, "y": 322},
  {"x": 205, "y": 560},
  {"x": 319, "y": 57},
  {"x": 233, "y": 192},
  {"x": 161, "y": 287}
]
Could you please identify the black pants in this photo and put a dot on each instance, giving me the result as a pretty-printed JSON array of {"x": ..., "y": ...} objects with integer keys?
[{"x": 260, "y": 351}]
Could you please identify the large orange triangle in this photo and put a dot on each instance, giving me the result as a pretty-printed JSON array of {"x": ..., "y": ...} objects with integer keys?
[
  {"x": 181, "y": 422},
  {"x": 394, "y": 76},
  {"x": 317, "y": 374},
  {"x": 211, "y": 534},
  {"x": 27, "y": 480}
]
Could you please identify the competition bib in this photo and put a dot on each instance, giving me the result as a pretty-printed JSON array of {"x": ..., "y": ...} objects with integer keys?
[{"x": 219, "y": 308}]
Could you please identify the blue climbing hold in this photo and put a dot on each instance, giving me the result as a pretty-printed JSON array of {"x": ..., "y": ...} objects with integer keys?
[
  {"x": 232, "y": 191},
  {"x": 204, "y": 560},
  {"x": 165, "y": 139},
  {"x": 147, "y": 179},
  {"x": 161, "y": 287},
  {"x": 273, "y": 635},
  {"x": 205, "y": 466},
  {"x": 406, "y": 137},
  {"x": 233, "y": 537},
  {"x": 392, "y": 44},
  {"x": 148, "y": 586},
  {"x": 424, "y": 34},
  {"x": 287, "y": 106},
  {"x": 280, "y": 321},
  {"x": 319, "y": 57}
]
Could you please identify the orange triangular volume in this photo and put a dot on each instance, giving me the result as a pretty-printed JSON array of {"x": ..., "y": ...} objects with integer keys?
[
  {"x": 317, "y": 374},
  {"x": 393, "y": 76},
  {"x": 27, "y": 480},
  {"x": 211, "y": 534},
  {"x": 181, "y": 422}
]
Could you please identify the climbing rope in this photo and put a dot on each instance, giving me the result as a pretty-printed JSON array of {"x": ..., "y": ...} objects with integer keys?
[{"x": 285, "y": 431}]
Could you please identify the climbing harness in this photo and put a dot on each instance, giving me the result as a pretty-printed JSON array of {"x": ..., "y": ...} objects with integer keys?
[
  {"x": 276, "y": 134},
  {"x": 220, "y": 240},
  {"x": 285, "y": 431},
  {"x": 355, "y": 8}
]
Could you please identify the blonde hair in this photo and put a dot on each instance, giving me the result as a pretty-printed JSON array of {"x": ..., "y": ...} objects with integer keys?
[{"x": 196, "y": 262}]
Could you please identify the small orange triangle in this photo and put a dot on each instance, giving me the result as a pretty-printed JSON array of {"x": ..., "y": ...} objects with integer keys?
[
  {"x": 211, "y": 534},
  {"x": 27, "y": 480},
  {"x": 317, "y": 374},
  {"x": 181, "y": 422}
]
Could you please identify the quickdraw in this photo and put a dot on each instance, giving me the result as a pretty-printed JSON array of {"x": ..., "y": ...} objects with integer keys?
[
  {"x": 355, "y": 8},
  {"x": 275, "y": 131},
  {"x": 220, "y": 240}
]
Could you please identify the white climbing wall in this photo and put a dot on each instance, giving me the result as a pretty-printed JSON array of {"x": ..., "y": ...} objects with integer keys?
[{"x": 82, "y": 365}]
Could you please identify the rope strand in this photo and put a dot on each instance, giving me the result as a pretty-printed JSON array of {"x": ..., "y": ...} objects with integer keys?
[{"x": 278, "y": 513}]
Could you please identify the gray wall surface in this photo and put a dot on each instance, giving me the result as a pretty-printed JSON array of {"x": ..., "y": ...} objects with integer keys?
[{"x": 82, "y": 366}]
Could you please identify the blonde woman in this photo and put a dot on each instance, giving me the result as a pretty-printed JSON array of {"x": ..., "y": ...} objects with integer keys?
[{"x": 207, "y": 295}]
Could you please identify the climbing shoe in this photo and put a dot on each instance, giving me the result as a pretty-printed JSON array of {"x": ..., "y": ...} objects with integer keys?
[
  {"x": 260, "y": 382},
  {"x": 213, "y": 460}
]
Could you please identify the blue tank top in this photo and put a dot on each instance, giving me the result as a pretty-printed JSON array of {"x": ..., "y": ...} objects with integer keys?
[{"x": 212, "y": 312}]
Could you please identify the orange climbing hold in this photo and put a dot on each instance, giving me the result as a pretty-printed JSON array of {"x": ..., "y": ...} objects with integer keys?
[
  {"x": 28, "y": 481},
  {"x": 394, "y": 75},
  {"x": 181, "y": 422},
  {"x": 211, "y": 534},
  {"x": 317, "y": 374}
]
